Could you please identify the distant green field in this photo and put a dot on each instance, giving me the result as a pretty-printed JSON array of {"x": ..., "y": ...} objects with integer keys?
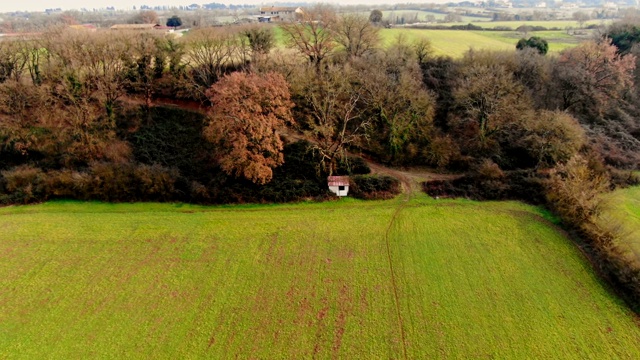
[
  {"x": 455, "y": 43},
  {"x": 624, "y": 207},
  {"x": 419, "y": 279},
  {"x": 421, "y": 15}
]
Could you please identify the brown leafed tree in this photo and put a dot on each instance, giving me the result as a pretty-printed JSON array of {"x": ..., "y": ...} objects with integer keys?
[
  {"x": 592, "y": 76},
  {"x": 247, "y": 110}
]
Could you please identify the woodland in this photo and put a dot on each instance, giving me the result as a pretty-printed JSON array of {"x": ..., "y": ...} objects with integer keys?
[{"x": 223, "y": 115}]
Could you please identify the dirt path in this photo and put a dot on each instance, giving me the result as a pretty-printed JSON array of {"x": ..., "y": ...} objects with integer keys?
[{"x": 410, "y": 178}]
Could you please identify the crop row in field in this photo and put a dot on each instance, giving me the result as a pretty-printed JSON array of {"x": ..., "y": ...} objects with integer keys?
[{"x": 349, "y": 279}]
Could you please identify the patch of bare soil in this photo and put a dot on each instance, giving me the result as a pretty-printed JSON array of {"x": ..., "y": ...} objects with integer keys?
[{"x": 410, "y": 178}]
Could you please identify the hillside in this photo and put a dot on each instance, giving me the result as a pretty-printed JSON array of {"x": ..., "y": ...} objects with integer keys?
[{"x": 350, "y": 279}]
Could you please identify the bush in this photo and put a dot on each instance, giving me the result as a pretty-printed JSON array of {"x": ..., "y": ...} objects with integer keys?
[
  {"x": 524, "y": 185},
  {"x": 574, "y": 191},
  {"x": 352, "y": 165},
  {"x": 373, "y": 187},
  {"x": 22, "y": 185}
]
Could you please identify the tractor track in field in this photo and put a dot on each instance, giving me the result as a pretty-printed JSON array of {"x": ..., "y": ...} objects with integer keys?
[{"x": 394, "y": 283}]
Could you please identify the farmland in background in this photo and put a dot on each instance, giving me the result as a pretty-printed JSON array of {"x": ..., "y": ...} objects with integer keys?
[
  {"x": 418, "y": 279},
  {"x": 455, "y": 43}
]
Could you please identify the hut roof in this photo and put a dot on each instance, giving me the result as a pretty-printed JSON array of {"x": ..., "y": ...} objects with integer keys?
[{"x": 338, "y": 180}]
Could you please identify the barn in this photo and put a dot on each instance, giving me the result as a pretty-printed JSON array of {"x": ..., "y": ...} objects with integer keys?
[{"x": 339, "y": 185}]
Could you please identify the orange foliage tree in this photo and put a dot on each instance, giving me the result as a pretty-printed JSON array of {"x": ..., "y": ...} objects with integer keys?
[
  {"x": 247, "y": 111},
  {"x": 593, "y": 76}
]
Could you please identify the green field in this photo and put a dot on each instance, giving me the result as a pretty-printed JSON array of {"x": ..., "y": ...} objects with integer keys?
[
  {"x": 421, "y": 15},
  {"x": 348, "y": 279},
  {"x": 624, "y": 208},
  {"x": 455, "y": 43}
]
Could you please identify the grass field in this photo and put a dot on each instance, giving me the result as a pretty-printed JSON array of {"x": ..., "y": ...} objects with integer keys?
[
  {"x": 421, "y": 15},
  {"x": 455, "y": 43},
  {"x": 624, "y": 208},
  {"x": 348, "y": 279}
]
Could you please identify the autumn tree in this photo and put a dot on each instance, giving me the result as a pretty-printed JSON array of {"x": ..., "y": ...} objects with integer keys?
[
  {"x": 314, "y": 35},
  {"x": 552, "y": 137},
  {"x": 591, "y": 77},
  {"x": 356, "y": 35},
  {"x": 247, "y": 110}
]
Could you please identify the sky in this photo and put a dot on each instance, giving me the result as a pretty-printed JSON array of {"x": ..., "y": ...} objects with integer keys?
[{"x": 41, "y": 5}]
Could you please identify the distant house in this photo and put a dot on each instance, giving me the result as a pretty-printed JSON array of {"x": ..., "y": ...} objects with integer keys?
[
  {"x": 278, "y": 13},
  {"x": 339, "y": 185}
]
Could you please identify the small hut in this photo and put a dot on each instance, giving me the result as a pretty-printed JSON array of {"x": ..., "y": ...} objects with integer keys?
[{"x": 339, "y": 185}]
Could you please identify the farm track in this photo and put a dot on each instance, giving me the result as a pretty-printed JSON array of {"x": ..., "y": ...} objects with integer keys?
[{"x": 394, "y": 284}]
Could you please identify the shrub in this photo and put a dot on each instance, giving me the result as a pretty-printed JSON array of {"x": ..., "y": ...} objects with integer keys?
[
  {"x": 373, "y": 187},
  {"x": 573, "y": 192},
  {"x": 442, "y": 151},
  {"x": 490, "y": 170},
  {"x": 23, "y": 185},
  {"x": 524, "y": 185}
]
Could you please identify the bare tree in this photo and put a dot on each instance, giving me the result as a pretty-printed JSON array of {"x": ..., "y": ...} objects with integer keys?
[
  {"x": 356, "y": 34},
  {"x": 336, "y": 119},
  {"x": 209, "y": 52},
  {"x": 314, "y": 34},
  {"x": 12, "y": 61}
]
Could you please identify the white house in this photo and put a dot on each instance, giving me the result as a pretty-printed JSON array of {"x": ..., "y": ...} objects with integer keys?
[
  {"x": 278, "y": 13},
  {"x": 339, "y": 185}
]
